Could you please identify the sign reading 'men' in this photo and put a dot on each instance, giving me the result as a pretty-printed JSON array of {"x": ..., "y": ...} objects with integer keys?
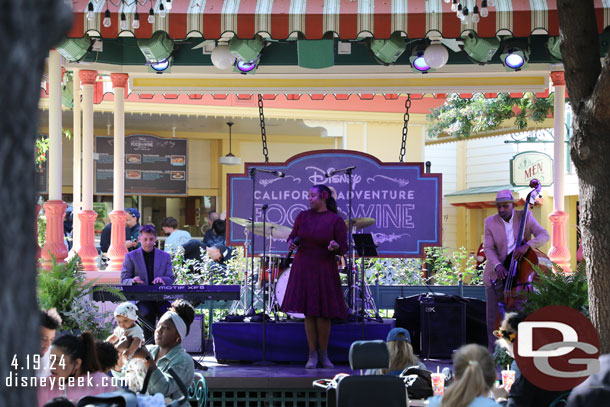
[
  {"x": 529, "y": 165},
  {"x": 404, "y": 201}
]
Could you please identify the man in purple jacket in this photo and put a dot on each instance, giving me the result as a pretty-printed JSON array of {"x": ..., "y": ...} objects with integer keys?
[{"x": 149, "y": 266}]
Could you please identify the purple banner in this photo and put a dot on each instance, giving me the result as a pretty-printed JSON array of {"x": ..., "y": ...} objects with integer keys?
[{"x": 404, "y": 202}]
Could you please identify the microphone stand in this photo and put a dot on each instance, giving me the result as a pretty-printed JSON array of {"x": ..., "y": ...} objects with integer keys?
[
  {"x": 252, "y": 311},
  {"x": 350, "y": 244},
  {"x": 264, "y": 283}
]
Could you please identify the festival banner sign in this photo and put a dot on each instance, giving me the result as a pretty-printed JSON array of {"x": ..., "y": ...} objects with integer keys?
[{"x": 404, "y": 201}]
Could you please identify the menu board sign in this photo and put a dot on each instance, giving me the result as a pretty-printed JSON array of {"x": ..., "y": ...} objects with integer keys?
[{"x": 153, "y": 165}]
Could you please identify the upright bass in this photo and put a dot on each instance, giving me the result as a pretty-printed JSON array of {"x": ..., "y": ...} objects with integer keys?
[{"x": 521, "y": 273}]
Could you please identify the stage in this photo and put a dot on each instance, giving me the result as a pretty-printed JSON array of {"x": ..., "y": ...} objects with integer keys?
[{"x": 286, "y": 341}]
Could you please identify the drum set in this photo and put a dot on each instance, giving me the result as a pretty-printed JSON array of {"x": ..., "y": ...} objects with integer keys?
[{"x": 266, "y": 276}]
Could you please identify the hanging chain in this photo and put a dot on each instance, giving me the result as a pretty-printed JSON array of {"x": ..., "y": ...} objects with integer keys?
[
  {"x": 261, "y": 115},
  {"x": 405, "y": 129}
]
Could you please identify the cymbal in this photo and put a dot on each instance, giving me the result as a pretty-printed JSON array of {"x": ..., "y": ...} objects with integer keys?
[
  {"x": 241, "y": 221},
  {"x": 361, "y": 223},
  {"x": 272, "y": 230}
]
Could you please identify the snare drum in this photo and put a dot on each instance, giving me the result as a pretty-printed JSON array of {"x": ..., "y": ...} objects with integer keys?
[
  {"x": 269, "y": 265},
  {"x": 280, "y": 291}
]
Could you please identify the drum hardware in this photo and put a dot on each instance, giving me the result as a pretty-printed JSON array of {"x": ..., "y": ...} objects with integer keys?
[{"x": 366, "y": 248}]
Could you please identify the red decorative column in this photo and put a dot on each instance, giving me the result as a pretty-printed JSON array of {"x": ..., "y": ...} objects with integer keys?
[
  {"x": 87, "y": 250},
  {"x": 559, "y": 252},
  {"x": 54, "y": 245},
  {"x": 117, "y": 250}
]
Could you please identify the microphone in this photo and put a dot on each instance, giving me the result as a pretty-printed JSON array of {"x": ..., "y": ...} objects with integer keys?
[
  {"x": 333, "y": 172},
  {"x": 297, "y": 242},
  {"x": 274, "y": 172}
]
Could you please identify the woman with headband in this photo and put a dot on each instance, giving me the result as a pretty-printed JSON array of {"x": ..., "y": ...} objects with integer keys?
[
  {"x": 314, "y": 287},
  {"x": 168, "y": 352}
]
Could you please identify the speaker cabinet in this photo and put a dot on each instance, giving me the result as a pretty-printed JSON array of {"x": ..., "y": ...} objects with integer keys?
[
  {"x": 193, "y": 342},
  {"x": 443, "y": 326}
]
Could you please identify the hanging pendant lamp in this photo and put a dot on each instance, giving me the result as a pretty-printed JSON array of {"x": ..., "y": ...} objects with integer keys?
[{"x": 229, "y": 159}]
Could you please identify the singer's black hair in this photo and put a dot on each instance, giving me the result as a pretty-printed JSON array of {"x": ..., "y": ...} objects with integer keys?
[{"x": 331, "y": 204}]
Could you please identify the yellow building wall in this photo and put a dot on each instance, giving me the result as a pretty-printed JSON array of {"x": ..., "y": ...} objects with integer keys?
[{"x": 384, "y": 141}]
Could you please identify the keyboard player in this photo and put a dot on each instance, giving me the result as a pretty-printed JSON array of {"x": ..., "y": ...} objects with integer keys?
[{"x": 148, "y": 266}]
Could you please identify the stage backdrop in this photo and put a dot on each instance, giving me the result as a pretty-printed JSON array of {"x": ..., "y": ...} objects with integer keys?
[{"x": 404, "y": 201}]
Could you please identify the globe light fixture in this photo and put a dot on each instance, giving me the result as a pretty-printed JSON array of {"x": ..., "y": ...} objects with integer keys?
[
  {"x": 221, "y": 57},
  {"x": 436, "y": 55}
]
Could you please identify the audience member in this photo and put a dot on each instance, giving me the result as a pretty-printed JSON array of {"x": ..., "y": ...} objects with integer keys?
[
  {"x": 50, "y": 321},
  {"x": 212, "y": 216},
  {"x": 132, "y": 229},
  {"x": 149, "y": 266},
  {"x": 217, "y": 235},
  {"x": 475, "y": 374},
  {"x": 168, "y": 352},
  {"x": 522, "y": 393},
  {"x": 59, "y": 402},
  {"x": 595, "y": 391},
  {"x": 126, "y": 315},
  {"x": 75, "y": 368},
  {"x": 175, "y": 236},
  {"x": 401, "y": 353},
  {"x": 107, "y": 355}
]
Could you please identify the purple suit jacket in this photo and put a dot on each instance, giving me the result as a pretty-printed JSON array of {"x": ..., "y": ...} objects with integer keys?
[
  {"x": 134, "y": 265},
  {"x": 495, "y": 245}
]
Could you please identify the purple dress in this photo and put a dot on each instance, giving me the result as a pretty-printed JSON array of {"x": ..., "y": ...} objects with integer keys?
[{"x": 314, "y": 287}]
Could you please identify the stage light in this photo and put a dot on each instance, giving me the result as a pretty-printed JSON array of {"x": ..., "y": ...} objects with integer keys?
[
  {"x": 417, "y": 59},
  {"x": 436, "y": 55},
  {"x": 157, "y": 49},
  {"x": 480, "y": 50},
  {"x": 515, "y": 55},
  {"x": 246, "y": 50},
  {"x": 246, "y": 67},
  {"x": 161, "y": 65},
  {"x": 74, "y": 49},
  {"x": 553, "y": 46},
  {"x": 221, "y": 57},
  {"x": 388, "y": 51}
]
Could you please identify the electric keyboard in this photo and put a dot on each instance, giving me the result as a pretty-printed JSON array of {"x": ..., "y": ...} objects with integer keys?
[{"x": 140, "y": 292}]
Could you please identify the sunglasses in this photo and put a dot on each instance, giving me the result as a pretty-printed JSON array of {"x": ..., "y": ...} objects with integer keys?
[{"x": 504, "y": 334}]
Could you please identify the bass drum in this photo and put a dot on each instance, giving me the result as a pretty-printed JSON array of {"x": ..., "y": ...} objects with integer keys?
[{"x": 280, "y": 291}]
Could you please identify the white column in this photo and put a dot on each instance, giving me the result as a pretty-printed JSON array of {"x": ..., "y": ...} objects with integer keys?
[
  {"x": 55, "y": 124},
  {"x": 77, "y": 167},
  {"x": 87, "y": 182},
  {"x": 87, "y": 252},
  {"x": 119, "y": 82}
]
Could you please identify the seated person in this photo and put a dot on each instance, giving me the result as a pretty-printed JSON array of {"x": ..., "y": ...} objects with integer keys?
[
  {"x": 107, "y": 355},
  {"x": 175, "y": 236},
  {"x": 168, "y": 352},
  {"x": 149, "y": 266},
  {"x": 522, "y": 392},
  {"x": 74, "y": 357},
  {"x": 401, "y": 354},
  {"x": 595, "y": 391},
  {"x": 50, "y": 321},
  {"x": 59, "y": 402},
  {"x": 126, "y": 315},
  {"x": 475, "y": 374},
  {"x": 217, "y": 235}
]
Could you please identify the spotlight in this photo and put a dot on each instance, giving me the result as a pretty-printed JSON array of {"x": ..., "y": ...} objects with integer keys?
[
  {"x": 480, "y": 50},
  {"x": 515, "y": 55},
  {"x": 388, "y": 51},
  {"x": 157, "y": 51},
  {"x": 161, "y": 65},
  {"x": 246, "y": 67},
  {"x": 417, "y": 59},
  {"x": 74, "y": 49},
  {"x": 246, "y": 50},
  {"x": 553, "y": 46}
]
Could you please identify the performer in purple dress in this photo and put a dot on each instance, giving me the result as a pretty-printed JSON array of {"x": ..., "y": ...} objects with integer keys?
[{"x": 314, "y": 287}]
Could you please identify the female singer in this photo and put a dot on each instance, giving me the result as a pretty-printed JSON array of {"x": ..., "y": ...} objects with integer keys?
[{"x": 314, "y": 287}]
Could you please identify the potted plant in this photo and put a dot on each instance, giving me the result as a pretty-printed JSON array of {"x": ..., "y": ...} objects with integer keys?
[{"x": 65, "y": 289}]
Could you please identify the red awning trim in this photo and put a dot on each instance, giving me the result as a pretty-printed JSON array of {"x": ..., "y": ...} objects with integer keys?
[{"x": 313, "y": 18}]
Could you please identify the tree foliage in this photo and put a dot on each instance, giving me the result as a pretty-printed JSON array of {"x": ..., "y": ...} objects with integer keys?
[{"x": 460, "y": 117}]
